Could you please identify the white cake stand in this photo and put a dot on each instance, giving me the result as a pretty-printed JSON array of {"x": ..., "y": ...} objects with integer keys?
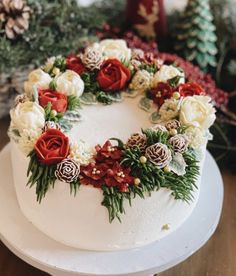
[{"x": 31, "y": 245}]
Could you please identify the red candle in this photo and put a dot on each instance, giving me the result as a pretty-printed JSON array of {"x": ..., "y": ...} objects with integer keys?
[{"x": 147, "y": 17}]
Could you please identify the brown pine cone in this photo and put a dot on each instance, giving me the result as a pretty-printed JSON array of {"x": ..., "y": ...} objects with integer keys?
[
  {"x": 67, "y": 170},
  {"x": 179, "y": 143},
  {"x": 159, "y": 154},
  {"x": 92, "y": 58},
  {"x": 14, "y": 15},
  {"x": 172, "y": 124},
  {"x": 137, "y": 140}
]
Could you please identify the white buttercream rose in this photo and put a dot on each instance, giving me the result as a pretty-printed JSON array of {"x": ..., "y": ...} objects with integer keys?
[
  {"x": 36, "y": 79},
  {"x": 166, "y": 73},
  {"x": 141, "y": 81},
  {"x": 115, "y": 48},
  {"x": 70, "y": 83},
  {"x": 169, "y": 110},
  {"x": 197, "y": 111}
]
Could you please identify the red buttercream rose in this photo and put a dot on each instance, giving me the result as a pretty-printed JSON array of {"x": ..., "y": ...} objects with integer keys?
[
  {"x": 160, "y": 93},
  {"x": 74, "y": 63},
  {"x": 58, "y": 100},
  {"x": 113, "y": 75},
  {"x": 52, "y": 147},
  {"x": 190, "y": 89}
]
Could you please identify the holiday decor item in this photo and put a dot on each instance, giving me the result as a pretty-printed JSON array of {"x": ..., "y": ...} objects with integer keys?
[
  {"x": 147, "y": 17},
  {"x": 195, "y": 36},
  {"x": 14, "y": 17},
  {"x": 55, "y": 22}
]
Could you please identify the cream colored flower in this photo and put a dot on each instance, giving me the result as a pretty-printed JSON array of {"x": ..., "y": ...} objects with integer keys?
[
  {"x": 36, "y": 79},
  {"x": 197, "y": 111},
  {"x": 141, "y": 81},
  {"x": 115, "y": 48},
  {"x": 81, "y": 152},
  {"x": 49, "y": 64},
  {"x": 166, "y": 73},
  {"x": 196, "y": 137},
  {"x": 70, "y": 83},
  {"x": 27, "y": 115},
  {"x": 28, "y": 139},
  {"x": 169, "y": 110}
]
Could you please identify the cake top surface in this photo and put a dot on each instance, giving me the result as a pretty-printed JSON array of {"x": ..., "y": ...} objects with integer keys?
[{"x": 115, "y": 118}]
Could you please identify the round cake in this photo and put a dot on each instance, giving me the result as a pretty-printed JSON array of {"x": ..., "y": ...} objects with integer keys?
[{"x": 107, "y": 147}]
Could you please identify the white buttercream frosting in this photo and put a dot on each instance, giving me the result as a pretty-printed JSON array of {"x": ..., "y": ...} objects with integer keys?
[{"x": 82, "y": 221}]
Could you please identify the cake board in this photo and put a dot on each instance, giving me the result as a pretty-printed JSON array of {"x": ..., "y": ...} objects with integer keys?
[{"x": 31, "y": 245}]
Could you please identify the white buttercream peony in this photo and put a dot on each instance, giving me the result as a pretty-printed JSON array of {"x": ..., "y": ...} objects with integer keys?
[
  {"x": 81, "y": 152},
  {"x": 27, "y": 122},
  {"x": 169, "y": 110},
  {"x": 115, "y": 48},
  {"x": 197, "y": 111},
  {"x": 36, "y": 79},
  {"x": 166, "y": 73},
  {"x": 27, "y": 115},
  {"x": 70, "y": 83},
  {"x": 141, "y": 81}
]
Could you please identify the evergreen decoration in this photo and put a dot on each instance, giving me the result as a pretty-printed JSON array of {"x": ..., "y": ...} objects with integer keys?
[
  {"x": 73, "y": 103},
  {"x": 40, "y": 175},
  {"x": 195, "y": 35},
  {"x": 53, "y": 30}
]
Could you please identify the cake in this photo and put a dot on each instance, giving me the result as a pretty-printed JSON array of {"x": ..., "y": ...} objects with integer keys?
[{"x": 107, "y": 147}]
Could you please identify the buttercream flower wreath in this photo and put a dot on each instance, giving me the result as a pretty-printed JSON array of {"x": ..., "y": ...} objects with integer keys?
[{"x": 106, "y": 72}]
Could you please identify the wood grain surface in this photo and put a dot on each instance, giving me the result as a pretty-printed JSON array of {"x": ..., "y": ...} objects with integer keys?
[{"x": 216, "y": 258}]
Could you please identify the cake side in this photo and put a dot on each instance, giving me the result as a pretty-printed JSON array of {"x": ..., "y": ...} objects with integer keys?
[{"x": 81, "y": 221}]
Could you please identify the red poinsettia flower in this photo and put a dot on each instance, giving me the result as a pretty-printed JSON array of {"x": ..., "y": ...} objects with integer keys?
[
  {"x": 108, "y": 153},
  {"x": 93, "y": 174},
  {"x": 74, "y": 63},
  {"x": 190, "y": 89},
  {"x": 160, "y": 93},
  {"x": 119, "y": 176}
]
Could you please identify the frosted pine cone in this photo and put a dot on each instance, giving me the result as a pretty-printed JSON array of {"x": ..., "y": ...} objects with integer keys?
[
  {"x": 137, "y": 54},
  {"x": 67, "y": 170},
  {"x": 159, "y": 154},
  {"x": 173, "y": 124},
  {"x": 137, "y": 140},
  {"x": 92, "y": 58},
  {"x": 14, "y": 15},
  {"x": 179, "y": 143},
  {"x": 21, "y": 99},
  {"x": 51, "y": 124},
  {"x": 159, "y": 127}
]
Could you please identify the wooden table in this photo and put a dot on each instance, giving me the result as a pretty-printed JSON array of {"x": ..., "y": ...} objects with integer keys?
[{"x": 216, "y": 258}]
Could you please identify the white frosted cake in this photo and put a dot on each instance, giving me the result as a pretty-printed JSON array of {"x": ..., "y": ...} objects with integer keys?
[{"x": 107, "y": 147}]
